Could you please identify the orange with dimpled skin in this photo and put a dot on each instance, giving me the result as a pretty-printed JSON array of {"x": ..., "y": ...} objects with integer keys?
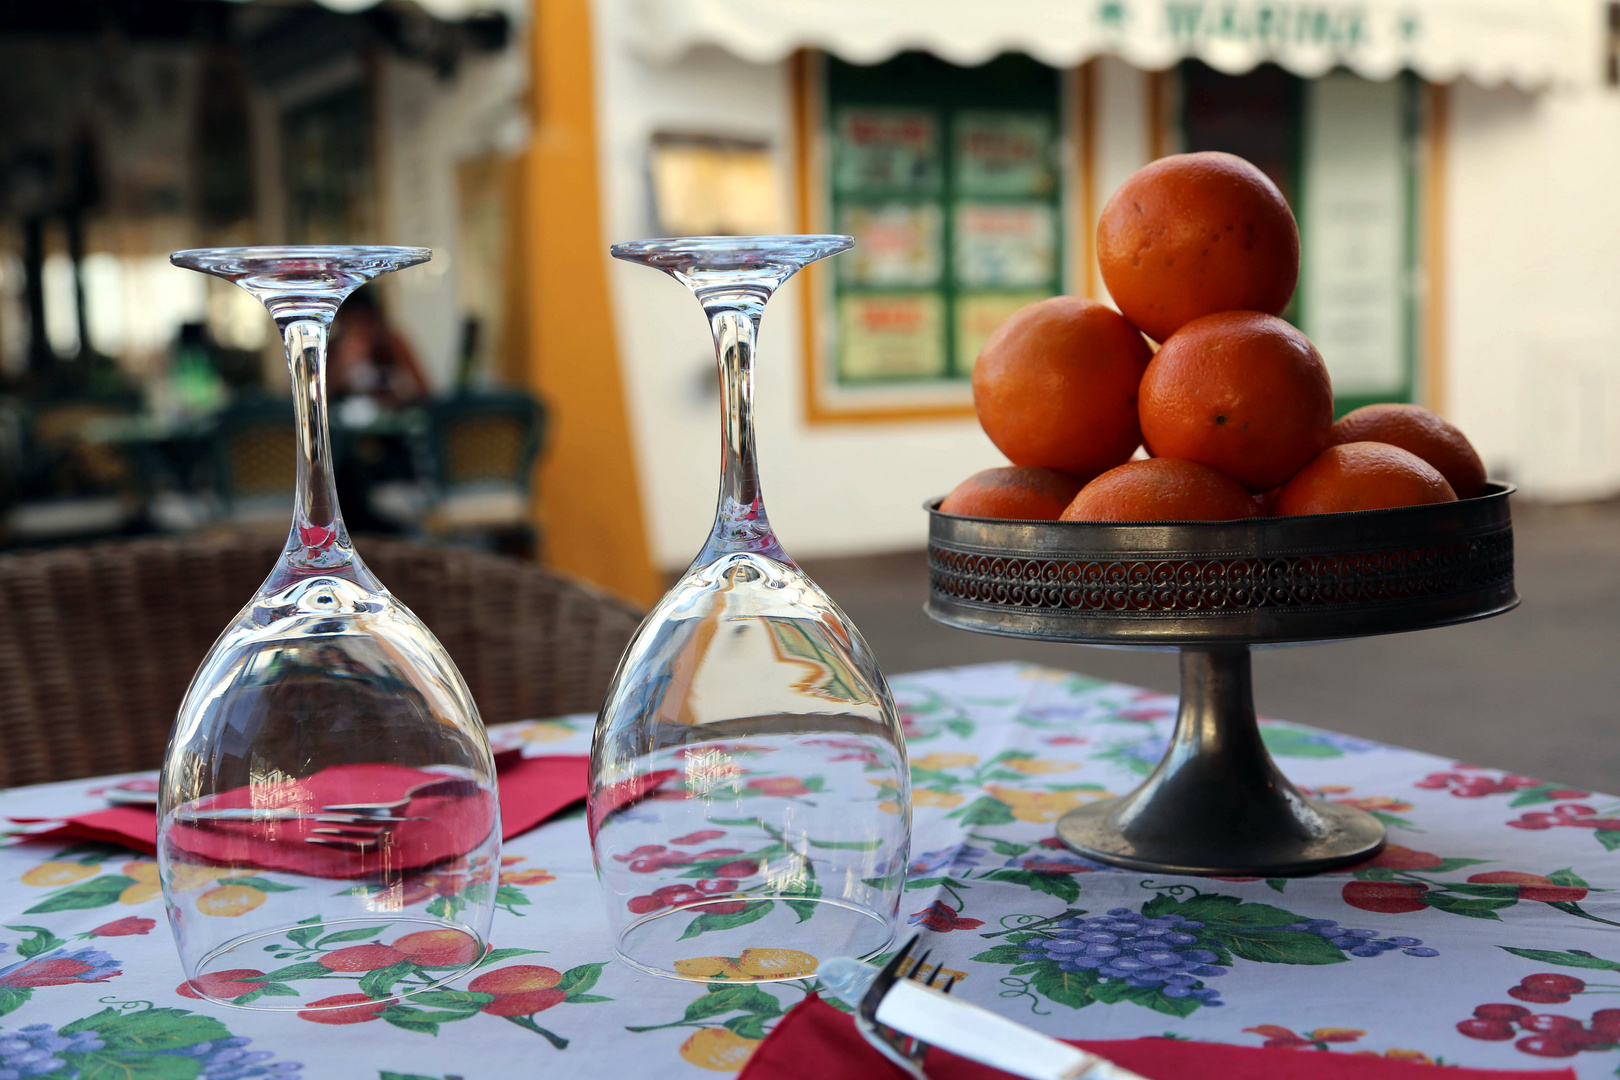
[
  {"x": 1362, "y": 476},
  {"x": 1426, "y": 434},
  {"x": 1193, "y": 234},
  {"x": 1056, "y": 384},
  {"x": 1162, "y": 489},
  {"x": 1242, "y": 392},
  {"x": 1018, "y": 492}
]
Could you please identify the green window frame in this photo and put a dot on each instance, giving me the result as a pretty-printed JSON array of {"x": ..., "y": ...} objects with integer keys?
[{"x": 952, "y": 181}]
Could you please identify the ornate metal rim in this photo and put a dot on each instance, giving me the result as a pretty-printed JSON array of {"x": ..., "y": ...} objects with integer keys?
[{"x": 1255, "y": 581}]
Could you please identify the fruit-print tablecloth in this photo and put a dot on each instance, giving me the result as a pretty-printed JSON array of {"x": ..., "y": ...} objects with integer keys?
[{"x": 1487, "y": 933}]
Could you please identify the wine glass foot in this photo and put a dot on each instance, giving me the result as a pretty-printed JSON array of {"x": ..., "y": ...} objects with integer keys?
[
  {"x": 289, "y": 969},
  {"x": 718, "y": 941}
]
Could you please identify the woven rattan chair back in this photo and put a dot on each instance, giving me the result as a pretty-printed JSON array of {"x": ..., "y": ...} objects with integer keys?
[{"x": 98, "y": 643}]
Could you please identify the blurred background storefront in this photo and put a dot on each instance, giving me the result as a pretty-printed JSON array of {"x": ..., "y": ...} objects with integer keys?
[{"x": 1449, "y": 162}]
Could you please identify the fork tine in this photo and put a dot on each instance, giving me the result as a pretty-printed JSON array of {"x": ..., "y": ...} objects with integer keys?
[
  {"x": 934, "y": 975},
  {"x": 915, "y": 974},
  {"x": 948, "y": 984}
]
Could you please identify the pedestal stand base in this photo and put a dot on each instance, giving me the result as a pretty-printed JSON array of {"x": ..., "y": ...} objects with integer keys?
[{"x": 1216, "y": 804}]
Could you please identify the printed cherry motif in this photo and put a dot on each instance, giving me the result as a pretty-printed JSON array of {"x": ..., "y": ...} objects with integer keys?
[
  {"x": 1547, "y": 1046},
  {"x": 1531, "y": 886},
  {"x": 1396, "y": 857},
  {"x": 1490, "y": 1030},
  {"x": 1385, "y": 897}
]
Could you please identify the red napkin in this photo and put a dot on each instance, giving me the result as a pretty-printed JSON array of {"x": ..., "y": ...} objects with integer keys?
[
  {"x": 531, "y": 791},
  {"x": 817, "y": 1042}
]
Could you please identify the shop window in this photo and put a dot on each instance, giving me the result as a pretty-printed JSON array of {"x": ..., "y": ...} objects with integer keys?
[
  {"x": 950, "y": 180},
  {"x": 1345, "y": 152}
]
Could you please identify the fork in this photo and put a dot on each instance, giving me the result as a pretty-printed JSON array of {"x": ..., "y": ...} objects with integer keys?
[{"x": 906, "y": 1052}]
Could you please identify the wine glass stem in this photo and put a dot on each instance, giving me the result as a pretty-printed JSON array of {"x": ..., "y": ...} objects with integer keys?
[
  {"x": 318, "y": 539},
  {"x": 740, "y": 523}
]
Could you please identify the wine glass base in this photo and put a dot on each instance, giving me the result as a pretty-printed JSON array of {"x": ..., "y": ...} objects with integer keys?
[
  {"x": 664, "y": 944},
  {"x": 449, "y": 953}
]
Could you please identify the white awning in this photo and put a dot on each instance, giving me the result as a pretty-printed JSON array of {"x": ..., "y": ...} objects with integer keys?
[{"x": 1529, "y": 43}]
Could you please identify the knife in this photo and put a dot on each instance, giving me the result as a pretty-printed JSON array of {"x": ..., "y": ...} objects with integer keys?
[{"x": 967, "y": 1030}]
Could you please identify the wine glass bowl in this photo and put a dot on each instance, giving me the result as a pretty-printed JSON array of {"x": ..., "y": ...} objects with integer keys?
[
  {"x": 328, "y": 787},
  {"x": 750, "y": 799}
]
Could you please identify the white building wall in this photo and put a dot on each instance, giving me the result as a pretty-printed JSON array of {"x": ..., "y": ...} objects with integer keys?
[
  {"x": 1532, "y": 286},
  {"x": 830, "y": 489}
]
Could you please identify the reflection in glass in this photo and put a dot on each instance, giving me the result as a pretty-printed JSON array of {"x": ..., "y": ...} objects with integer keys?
[
  {"x": 750, "y": 804},
  {"x": 329, "y": 834}
]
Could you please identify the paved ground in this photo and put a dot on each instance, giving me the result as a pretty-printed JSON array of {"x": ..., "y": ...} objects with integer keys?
[{"x": 1536, "y": 691}]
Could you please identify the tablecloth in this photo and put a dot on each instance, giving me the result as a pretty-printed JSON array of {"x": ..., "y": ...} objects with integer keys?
[{"x": 1495, "y": 894}]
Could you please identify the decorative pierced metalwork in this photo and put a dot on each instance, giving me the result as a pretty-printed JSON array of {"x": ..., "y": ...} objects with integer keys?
[{"x": 1191, "y": 583}]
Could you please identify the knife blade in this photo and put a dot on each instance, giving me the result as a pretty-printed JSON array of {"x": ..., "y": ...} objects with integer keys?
[{"x": 968, "y": 1030}]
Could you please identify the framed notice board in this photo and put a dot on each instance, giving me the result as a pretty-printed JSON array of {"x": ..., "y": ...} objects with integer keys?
[{"x": 951, "y": 180}]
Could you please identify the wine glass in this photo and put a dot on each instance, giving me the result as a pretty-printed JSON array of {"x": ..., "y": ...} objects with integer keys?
[
  {"x": 328, "y": 829},
  {"x": 750, "y": 804}
]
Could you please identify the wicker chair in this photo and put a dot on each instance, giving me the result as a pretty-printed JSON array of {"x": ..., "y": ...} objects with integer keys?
[{"x": 98, "y": 643}]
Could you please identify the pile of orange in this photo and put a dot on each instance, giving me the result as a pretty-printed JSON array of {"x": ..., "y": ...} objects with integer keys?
[{"x": 1232, "y": 415}]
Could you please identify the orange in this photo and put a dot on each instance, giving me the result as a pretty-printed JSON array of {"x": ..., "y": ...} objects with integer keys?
[
  {"x": 1194, "y": 234},
  {"x": 1416, "y": 429},
  {"x": 1024, "y": 492},
  {"x": 1242, "y": 392},
  {"x": 1055, "y": 386},
  {"x": 1161, "y": 489},
  {"x": 1362, "y": 476}
]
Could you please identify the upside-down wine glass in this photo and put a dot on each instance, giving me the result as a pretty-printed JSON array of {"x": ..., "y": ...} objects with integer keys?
[
  {"x": 328, "y": 828},
  {"x": 750, "y": 804}
]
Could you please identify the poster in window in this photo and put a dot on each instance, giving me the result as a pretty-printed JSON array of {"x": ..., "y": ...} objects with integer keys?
[
  {"x": 978, "y": 315},
  {"x": 1005, "y": 245},
  {"x": 887, "y": 149},
  {"x": 891, "y": 336},
  {"x": 895, "y": 245},
  {"x": 1002, "y": 153}
]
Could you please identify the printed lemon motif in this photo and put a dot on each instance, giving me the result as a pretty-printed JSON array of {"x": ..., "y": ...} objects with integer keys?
[
  {"x": 144, "y": 872},
  {"x": 59, "y": 873},
  {"x": 718, "y": 1049},
  {"x": 777, "y": 963},
  {"x": 140, "y": 893},
  {"x": 229, "y": 901},
  {"x": 1040, "y": 806},
  {"x": 936, "y": 762},
  {"x": 711, "y": 967},
  {"x": 1040, "y": 766},
  {"x": 547, "y": 731},
  {"x": 924, "y": 797}
]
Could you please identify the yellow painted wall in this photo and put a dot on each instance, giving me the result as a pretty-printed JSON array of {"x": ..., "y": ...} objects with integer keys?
[{"x": 588, "y": 504}]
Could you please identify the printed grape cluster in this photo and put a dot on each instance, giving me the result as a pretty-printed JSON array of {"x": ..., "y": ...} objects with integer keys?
[
  {"x": 36, "y": 1050},
  {"x": 228, "y": 1059},
  {"x": 33, "y": 1050},
  {"x": 1126, "y": 944},
  {"x": 1362, "y": 942}
]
